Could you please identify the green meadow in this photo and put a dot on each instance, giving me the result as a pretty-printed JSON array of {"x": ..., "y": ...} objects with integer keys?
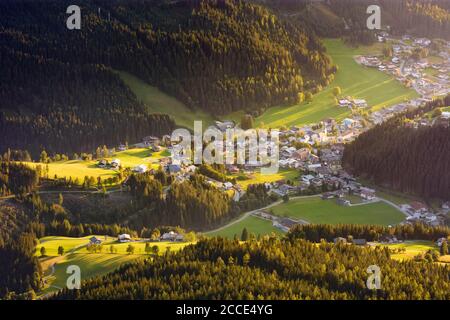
[
  {"x": 80, "y": 168},
  {"x": 157, "y": 101},
  {"x": 254, "y": 225},
  {"x": 316, "y": 210},
  {"x": 244, "y": 180},
  {"x": 379, "y": 89},
  {"x": 91, "y": 264},
  {"x": 413, "y": 248}
]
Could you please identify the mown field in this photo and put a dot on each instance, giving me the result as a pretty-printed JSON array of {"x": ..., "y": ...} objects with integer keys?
[
  {"x": 254, "y": 225},
  {"x": 413, "y": 248},
  {"x": 255, "y": 178},
  {"x": 91, "y": 264},
  {"x": 316, "y": 210},
  {"x": 157, "y": 101},
  {"x": 79, "y": 168},
  {"x": 380, "y": 90}
]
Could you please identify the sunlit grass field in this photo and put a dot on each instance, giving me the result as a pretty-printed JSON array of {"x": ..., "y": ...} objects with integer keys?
[
  {"x": 379, "y": 89},
  {"x": 91, "y": 264},
  {"x": 413, "y": 248},
  {"x": 316, "y": 210},
  {"x": 254, "y": 225},
  {"x": 79, "y": 168},
  {"x": 257, "y": 177}
]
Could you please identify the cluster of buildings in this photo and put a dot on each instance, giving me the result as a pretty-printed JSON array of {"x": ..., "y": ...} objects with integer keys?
[
  {"x": 428, "y": 77},
  {"x": 124, "y": 238},
  {"x": 420, "y": 212}
]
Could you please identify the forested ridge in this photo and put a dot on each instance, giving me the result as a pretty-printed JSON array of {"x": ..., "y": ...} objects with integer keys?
[
  {"x": 268, "y": 269},
  {"x": 412, "y": 160},
  {"x": 58, "y": 90},
  {"x": 347, "y": 18}
]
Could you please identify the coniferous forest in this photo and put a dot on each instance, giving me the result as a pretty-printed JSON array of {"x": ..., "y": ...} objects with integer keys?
[
  {"x": 412, "y": 160},
  {"x": 59, "y": 89}
]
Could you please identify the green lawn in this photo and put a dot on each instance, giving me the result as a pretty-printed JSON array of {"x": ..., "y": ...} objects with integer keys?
[
  {"x": 379, "y": 89},
  {"x": 158, "y": 102},
  {"x": 75, "y": 169},
  {"x": 253, "y": 224},
  {"x": 79, "y": 168},
  {"x": 257, "y": 177},
  {"x": 91, "y": 264},
  {"x": 52, "y": 243},
  {"x": 413, "y": 248},
  {"x": 316, "y": 210}
]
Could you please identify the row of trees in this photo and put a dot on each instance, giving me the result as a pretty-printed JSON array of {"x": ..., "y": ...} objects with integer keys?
[{"x": 319, "y": 232}]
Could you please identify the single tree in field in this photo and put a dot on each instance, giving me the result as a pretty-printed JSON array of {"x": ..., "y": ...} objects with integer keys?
[
  {"x": 111, "y": 249},
  {"x": 246, "y": 259},
  {"x": 309, "y": 97},
  {"x": 148, "y": 249},
  {"x": 337, "y": 91},
  {"x": 43, "y": 157},
  {"x": 60, "y": 250},
  {"x": 444, "y": 248},
  {"x": 155, "y": 250},
  {"x": 244, "y": 235},
  {"x": 60, "y": 199},
  {"x": 130, "y": 249},
  {"x": 43, "y": 251}
]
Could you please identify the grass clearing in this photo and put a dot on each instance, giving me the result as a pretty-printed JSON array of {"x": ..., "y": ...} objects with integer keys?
[
  {"x": 316, "y": 210},
  {"x": 157, "y": 101},
  {"x": 413, "y": 248},
  {"x": 253, "y": 224},
  {"x": 78, "y": 169},
  {"x": 256, "y": 177},
  {"x": 379, "y": 89},
  {"x": 91, "y": 264}
]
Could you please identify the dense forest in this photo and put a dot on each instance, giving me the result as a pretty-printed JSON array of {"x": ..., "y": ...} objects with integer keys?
[
  {"x": 268, "y": 269},
  {"x": 193, "y": 204},
  {"x": 411, "y": 160},
  {"x": 59, "y": 89}
]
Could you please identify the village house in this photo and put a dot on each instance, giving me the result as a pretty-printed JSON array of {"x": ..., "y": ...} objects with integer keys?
[
  {"x": 94, "y": 240},
  {"x": 284, "y": 224},
  {"x": 339, "y": 240},
  {"x": 124, "y": 237},
  {"x": 359, "y": 242},
  {"x": 115, "y": 163},
  {"x": 150, "y": 140},
  {"x": 172, "y": 236},
  {"x": 142, "y": 168}
]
